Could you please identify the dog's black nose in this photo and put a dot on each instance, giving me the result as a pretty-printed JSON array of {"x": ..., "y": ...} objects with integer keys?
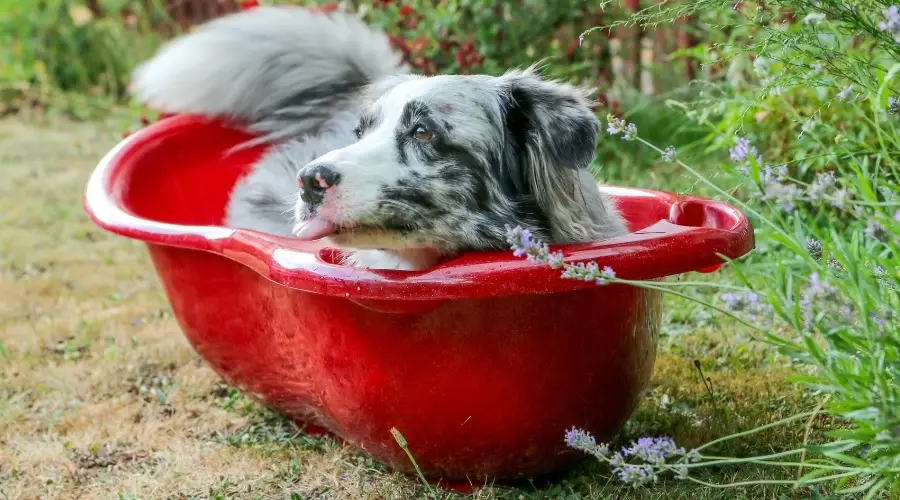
[{"x": 314, "y": 180}]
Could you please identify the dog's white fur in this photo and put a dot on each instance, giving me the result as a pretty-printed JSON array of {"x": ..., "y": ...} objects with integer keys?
[{"x": 511, "y": 149}]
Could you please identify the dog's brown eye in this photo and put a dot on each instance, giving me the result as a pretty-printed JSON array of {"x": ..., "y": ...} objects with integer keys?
[{"x": 423, "y": 134}]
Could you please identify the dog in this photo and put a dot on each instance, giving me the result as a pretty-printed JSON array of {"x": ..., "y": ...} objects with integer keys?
[{"x": 398, "y": 170}]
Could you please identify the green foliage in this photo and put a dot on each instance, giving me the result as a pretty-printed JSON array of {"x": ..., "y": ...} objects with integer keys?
[
  {"x": 808, "y": 107},
  {"x": 59, "y": 53}
]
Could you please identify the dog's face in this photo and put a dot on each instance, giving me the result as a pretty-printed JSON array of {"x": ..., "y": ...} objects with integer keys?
[{"x": 447, "y": 162}]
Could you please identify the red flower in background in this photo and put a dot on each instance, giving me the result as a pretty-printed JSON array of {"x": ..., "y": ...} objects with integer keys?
[
  {"x": 248, "y": 4},
  {"x": 406, "y": 10}
]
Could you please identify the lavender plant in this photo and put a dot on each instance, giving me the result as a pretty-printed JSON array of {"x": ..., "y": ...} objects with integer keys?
[{"x": 807, "y": 121}]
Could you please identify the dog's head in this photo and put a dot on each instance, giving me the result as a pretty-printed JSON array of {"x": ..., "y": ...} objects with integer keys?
[{"x": 447, "y": 162}]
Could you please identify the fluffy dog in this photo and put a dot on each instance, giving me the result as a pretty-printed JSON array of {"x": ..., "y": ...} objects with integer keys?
[{"x": 401, "y": 170}]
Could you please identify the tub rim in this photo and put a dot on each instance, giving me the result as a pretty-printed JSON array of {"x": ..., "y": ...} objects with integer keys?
[{"x": 660, "y": 250}]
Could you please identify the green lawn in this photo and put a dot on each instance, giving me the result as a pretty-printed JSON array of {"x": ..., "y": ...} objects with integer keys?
[{"x": 102, "y": 397}]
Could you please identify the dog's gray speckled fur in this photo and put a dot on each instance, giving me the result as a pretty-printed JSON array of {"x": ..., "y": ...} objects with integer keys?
[{"x": 328, "y": 90}]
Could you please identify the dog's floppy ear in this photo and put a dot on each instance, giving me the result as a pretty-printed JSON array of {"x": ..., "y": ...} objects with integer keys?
[
  {"x": 552, "y": 120},
  {"x": 551, "y": 138}
]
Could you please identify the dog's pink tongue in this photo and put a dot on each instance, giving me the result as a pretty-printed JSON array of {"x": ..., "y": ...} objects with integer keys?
[{"x": 315, "y": 228}]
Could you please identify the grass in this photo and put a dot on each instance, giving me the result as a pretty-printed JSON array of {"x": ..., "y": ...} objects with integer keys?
[{"x": 102, "y": 397}]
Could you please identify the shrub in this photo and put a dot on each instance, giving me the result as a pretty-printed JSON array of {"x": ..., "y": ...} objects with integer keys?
[{"x": 60, "y": 52}]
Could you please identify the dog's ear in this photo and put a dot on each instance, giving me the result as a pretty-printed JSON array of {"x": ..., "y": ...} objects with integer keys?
[
  {"x": 551, "y": 138},
  {"x": 552, "y": 120}
]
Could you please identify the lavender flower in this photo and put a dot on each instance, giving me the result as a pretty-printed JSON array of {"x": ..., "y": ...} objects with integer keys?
[
  {"x": 618, "y": 126},
  {"x": 897, "y": 215},
  {"x": 839, "y": 199},
  {"x": 776, "y": 174},
  {"x": 878, "y": 320},
  {"x": 654, "y": 451},
  {"x": 817, "y": 67},
  {"x": 820, "y": 186},
  {"x": 844, "y": 94},
  {"x": 743, "y": 151},
  {"x": 668, "y": 155},
  {"x": 583, "y": 441},
  {"x": 784, "y": 195},
  {"x": 894, "y": 105},
  {"x": 522, "y": 243},
  {"x": 891, "y": 24},
  {"x": 615, "y": 125},
  {"x": 740, "y": 301},
  {"x": 761, "y": 67},
  {"x": 589, "y": 272},
  {"x": 747, "y": 303},
  {"x": 819, "y": 295},
  {"x": 636, "y": 475},
  {"x": 814, "y": 18}
]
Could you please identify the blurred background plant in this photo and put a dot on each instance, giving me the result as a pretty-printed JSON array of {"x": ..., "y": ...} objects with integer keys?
[{"x": 71, "y": 56}]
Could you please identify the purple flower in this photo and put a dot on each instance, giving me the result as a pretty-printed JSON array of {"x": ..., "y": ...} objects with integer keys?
[
  {"x": 745, "y": 302},
  {"x": 784, "y": 195},
  {"x": 743, "y": 151},
  {"x": 891, "y": 23},
  {"x": 618, "y": 126},
  {"x": 668, "y": 155},
  {"x": 523, "y": 243},
  {"x": 589, "y": 272},
  {"x": 894, "y": 105},
  {"x": 776, "y": 174},
  {"x": 653, "y": 451},
  {"x": 878, "y": 320},
  {"x": 844, "y": 94},
  {"x": 814, "y": 18},
  {"x": 839, "y": 199},
  {"x": 636, "y": 475},
  {"x": 821, "y": 184},
  {"x": 581, "y": 440},
  {"x": 819, "y": 295},
  {"x": 615, "y": 125},
  {"x": 897, "y": 215}
]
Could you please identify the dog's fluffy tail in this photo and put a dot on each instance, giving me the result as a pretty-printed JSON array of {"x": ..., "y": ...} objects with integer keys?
[{"x": 284, "y": 71}]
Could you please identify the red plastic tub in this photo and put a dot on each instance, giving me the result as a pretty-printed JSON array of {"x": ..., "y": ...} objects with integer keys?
[{"x": 482, "y": 363}]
